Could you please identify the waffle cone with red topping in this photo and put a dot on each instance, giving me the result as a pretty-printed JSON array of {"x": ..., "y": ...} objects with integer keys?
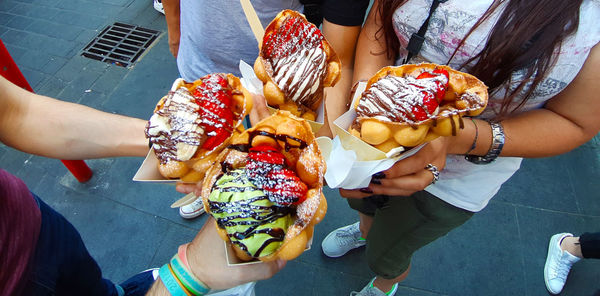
[
  {"x": 194, "y": 121},
  {"x": 412, "y": 104},
  {"x": 295, "y": 63},
  {"x": 265, "y": 189}
]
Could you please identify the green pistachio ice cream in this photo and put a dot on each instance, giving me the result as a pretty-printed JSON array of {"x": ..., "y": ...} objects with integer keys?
[{"x": 253, "y": 223}]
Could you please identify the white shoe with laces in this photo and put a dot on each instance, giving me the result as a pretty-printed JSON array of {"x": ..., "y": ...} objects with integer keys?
[
  {"x": 340, "y": 241},
  {"x": 193, "y": 210},
  {"x": 558, "y": 264}
]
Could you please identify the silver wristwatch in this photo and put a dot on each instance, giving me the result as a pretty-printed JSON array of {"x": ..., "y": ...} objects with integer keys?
[{"x": 495, "y": 149}]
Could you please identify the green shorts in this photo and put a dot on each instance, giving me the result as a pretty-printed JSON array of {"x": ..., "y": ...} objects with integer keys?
[{"x": 402, "y": 225}]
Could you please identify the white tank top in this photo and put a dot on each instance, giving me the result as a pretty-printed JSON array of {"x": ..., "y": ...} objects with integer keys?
[{"x": 464, "y": 184}]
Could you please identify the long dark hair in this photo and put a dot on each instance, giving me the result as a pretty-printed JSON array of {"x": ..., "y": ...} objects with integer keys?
[{"x": 523, "y": 39}]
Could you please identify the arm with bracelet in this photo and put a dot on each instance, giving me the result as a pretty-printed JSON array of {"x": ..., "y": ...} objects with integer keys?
[
  {"x": 201, "y": 266},
  {"x": 567, "y": 121},
  {"x": 563, "y": 123}
]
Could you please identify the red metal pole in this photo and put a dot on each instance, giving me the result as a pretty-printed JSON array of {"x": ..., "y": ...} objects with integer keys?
[{"x": 10, "y": 71}]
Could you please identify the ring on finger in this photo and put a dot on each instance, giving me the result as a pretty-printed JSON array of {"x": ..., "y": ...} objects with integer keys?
[{"x": 434, "y": 170}]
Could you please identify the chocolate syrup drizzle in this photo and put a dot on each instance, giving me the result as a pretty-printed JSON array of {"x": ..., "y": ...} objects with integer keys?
[
  {"x": 299, "y": 62},
  {"x": 182, "y": 129},
  {"x": 256, "y": 215},
  {"x": 289, "y": 141},
  {"x": 248, "y": 209},
  {"x": 265, "y": 175},
  {"x": 393, "y": 98}
]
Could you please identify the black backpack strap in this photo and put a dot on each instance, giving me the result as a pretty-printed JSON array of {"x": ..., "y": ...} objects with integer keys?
[{"x": 416, "y": 40}]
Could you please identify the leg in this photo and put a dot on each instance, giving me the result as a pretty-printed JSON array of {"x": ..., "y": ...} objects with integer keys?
[
  {"x": 590, "y": 245},
  {"x": 403, "y": 226},
  {"x": 365, "y": 224},
  {"x": 62, "y": 264},
  {"x": 571, "y": 244}
]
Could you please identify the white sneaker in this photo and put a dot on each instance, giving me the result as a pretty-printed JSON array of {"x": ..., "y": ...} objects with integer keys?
[
  {"x": 340, "y": 241},
  {"x": 193, "y": 210},
  {"x": 370, "y": 290},
  {"x": 558, "y": 264},
  {"x": 158, "y": 6}
]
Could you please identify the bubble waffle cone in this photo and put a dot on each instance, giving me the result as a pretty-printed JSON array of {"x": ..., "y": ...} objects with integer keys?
[
  {"x": 194, "y": 121},
  {"x": 295, "y": 63},
  {"x": 412, "y": 104},
  {"x": 265, "y": 189}
]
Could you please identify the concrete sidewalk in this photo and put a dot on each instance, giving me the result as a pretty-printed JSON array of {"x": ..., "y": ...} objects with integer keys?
[{"x": 129, "y": 226}]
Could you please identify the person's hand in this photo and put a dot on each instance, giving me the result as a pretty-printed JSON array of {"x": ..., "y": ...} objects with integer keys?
[
  {"x": 186, "y": 188},
  {"x": 207, "y": 259},
  {"x": 259, "y": 109},
  {"x": 408, "y": 175}
]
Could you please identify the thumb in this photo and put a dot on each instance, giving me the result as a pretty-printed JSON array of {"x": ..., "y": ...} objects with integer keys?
[{"x": 259, "y": 110}]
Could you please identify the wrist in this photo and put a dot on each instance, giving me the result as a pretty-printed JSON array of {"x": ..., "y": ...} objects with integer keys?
[
  {"x": 495, "y": 148},
  {"x": 178, "y": 278}
]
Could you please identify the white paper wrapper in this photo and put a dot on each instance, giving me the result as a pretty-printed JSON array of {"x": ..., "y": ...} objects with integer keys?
[
  {"x": 255, "y": 86},
  {"x": 350, "y": 161}
]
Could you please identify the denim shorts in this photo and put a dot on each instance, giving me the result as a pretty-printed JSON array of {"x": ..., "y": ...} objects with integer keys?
[{"x": 402, "y": 225}]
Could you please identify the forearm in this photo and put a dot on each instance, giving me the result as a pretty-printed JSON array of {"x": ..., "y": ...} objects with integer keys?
[
  {"x": 337, "y": 100},
  {"x": 370, "y": 51},
  {"x": 172, "y": 15},
  {"x": 537, "y": 133},
  {"x": 567, "y": 120},
  {"x": 343, "y": 39},
  {"x": 44, "y": 126}
]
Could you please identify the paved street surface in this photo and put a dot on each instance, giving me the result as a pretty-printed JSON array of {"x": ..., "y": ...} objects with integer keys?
[{"x": 129, "y": 226}]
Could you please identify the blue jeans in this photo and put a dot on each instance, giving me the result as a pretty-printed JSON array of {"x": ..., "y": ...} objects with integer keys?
[{"x": 62, "y": 265}]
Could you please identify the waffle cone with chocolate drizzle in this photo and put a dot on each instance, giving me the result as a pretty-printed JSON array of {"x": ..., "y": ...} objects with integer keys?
[
  {"x": 295, "y": 63},
  {"x": 412, "y": 104},
  {"x": 194, "y": 121},
  {"x": 265, "y": 189}
]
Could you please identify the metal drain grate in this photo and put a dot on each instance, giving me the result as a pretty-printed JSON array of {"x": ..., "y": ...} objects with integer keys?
[{"x": 120, "y": 44}]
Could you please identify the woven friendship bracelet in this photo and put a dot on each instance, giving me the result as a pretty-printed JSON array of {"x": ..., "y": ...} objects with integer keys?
[
  {"x": 187, "y": 278},
  {"x": 172, "y": 285}
]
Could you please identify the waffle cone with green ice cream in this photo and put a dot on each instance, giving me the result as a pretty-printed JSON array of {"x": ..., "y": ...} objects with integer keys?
[
  {"x": 265, "y": 189},
  {"x": 252, "y": 222}
]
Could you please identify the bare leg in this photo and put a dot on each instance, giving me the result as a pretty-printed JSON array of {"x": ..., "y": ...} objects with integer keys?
[
  {"x": 381, "y": 283},
  {"x": 569, "y": 244},
  {"x": 365, "y": 224}
]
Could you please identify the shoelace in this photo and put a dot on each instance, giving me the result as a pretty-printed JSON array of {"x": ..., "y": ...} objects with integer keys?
[
  {"x": 347, "y": 236},
  {"x": 367, "y": 292},
  {"x": 561, "y": 271}
]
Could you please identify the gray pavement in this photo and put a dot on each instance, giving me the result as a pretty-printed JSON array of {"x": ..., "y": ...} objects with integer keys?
[{"x": 129, "y": 227}]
